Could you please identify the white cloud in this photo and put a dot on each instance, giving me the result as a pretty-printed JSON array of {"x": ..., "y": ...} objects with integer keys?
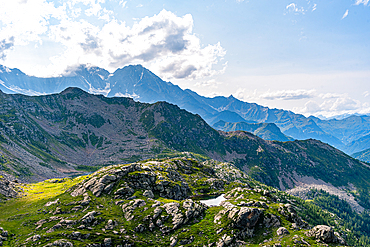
[
  {"x": 343, "y": 104},
  {"x": 5, "y": 46},
  {"x": 240, "y": 94},
  {"x": 293, "y": 7},
  {"x": 288, "y": 94},
  {"x": 334, "y": 105},
  {"x": 123, "y": 3},
  {"x": 26, "y": 21},
  {"x": 209, "y": 83},
  {"x": 300, "y": 7},
  {"x": 345, "y": 14},
  {"x": 330, "y": 95},
  {"x": 311, "y": 107},
  {"x": 165, "y": 43},
  {"x": 338, "y": 102},
  {"x": 364, "y": 2},
  {"x": 366, "y": 94}
]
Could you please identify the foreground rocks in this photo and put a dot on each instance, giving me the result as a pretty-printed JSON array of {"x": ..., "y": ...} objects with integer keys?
[
  {"x": 157, "y": 203},
  {"x": 326, "y": 234},
  {"x": 60, "y": 243},
  {"x": 7, "y": 188},
  {"x": 166, "y": 217},
  {"x": 291, "y": 215},
  {"x": 3, "y": 236},
  {"x": 166, "y": 182}
]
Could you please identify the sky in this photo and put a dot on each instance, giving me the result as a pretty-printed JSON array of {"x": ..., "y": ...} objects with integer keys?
[{"x": 311, "y": 57}]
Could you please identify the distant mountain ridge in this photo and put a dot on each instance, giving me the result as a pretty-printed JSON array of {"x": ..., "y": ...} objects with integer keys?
[
  {"x": 266, "y": 131},
  {"x": 75, "y": 132},
  {"x": 363, "y": 155},
  {"x": 55, "y": 135},
  {"x": 140, "y": 84}
]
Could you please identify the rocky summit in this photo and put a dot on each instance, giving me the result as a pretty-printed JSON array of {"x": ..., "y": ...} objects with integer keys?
[{"x": 164, "y": 202}]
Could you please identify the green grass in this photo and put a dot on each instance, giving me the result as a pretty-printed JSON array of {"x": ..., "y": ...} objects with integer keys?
[
  {"x": 19, "y": 215},
  {"x": 34, "y": 197}
]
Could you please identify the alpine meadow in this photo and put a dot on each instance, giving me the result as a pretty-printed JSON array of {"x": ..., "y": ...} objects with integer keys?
[{"x": 200, "y": 123}]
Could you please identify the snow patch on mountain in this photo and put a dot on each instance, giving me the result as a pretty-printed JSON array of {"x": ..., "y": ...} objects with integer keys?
[
  {"x": 16, "y": 89},
  {"x": 133, "y": 95},
  {"x": 104, "y": 91}
]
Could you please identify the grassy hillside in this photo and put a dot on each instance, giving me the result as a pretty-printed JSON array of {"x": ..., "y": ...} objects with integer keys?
[
  {"x": 363, "y": 155},
  {"x": 156, "y": 203},
  {"x": 74, "y": 133}
]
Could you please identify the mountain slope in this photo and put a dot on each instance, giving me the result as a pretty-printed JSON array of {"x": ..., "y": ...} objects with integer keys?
[
  {"x": 363, "y": 155},
  {"x": 358, "y": 145},
  {"x": 266, "y": 131},
  {"x": 141, "y": 84},
  {"x": 348, "y": 129},
  {"x": 73, "y": 132},
  {"x": 132, "y": 81},
  {"x": 156, "y": 203},
  {"x": 228, "y": 116}
]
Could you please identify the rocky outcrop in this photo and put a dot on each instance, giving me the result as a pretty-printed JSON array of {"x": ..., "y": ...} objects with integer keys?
[
  {"x": 124, "y": 180},
  {"x": 3, "y": 236},
  {"x": 225, "y": 240},
  {"x": 89, "y": 218},
  {"x": 60, "y": 243},
  {"x": 271, "y": 220},
  {"x": 282, "y": 231},
  {"x": 7, "y": 188},
  {"x": 325, "y": 234},
  {"x": 133, "y": 205},
  {"x": 291, "y": 215},
  {"x": 166, "y": 217},
  {"x": 242, "y": 218}
]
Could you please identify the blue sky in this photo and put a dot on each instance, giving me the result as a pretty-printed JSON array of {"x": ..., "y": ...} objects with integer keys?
[{"x": 311, "y": 57}]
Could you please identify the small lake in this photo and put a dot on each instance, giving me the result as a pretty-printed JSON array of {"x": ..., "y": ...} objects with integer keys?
[{"x": 214, "y": 201}]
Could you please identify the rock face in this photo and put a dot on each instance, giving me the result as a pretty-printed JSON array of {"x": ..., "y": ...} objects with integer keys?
[
  {"x": 271, "y": 220},
  {"x": 157, "y": 203},
  {"x": 224, "y": 241},
  {"x": 291, "y": 215},
  {"x": 7, "y": 188},
  {"x": 89, "y": 218},
  {"x": 166, "y": 217},
  {"x": 282, "y": 231},
  {"x": 3, "y": 235},
  {"x": 325, "y": 234},
  {"x": 168, "y": 184},
  {"x": 60, "y": 243},
  {"x": 245, "y": 217}
]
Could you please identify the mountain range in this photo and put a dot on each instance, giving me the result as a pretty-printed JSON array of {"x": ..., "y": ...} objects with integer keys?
[
  {"x": 267, "y": 131},
  {"x": 350, "y": 134},
  {"x": 75, "y": 132}
]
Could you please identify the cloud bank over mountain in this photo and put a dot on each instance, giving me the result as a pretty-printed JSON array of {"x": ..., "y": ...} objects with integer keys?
[
  {"x": 281, "y": 54},
  {"x": 89, "y": 33}
]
